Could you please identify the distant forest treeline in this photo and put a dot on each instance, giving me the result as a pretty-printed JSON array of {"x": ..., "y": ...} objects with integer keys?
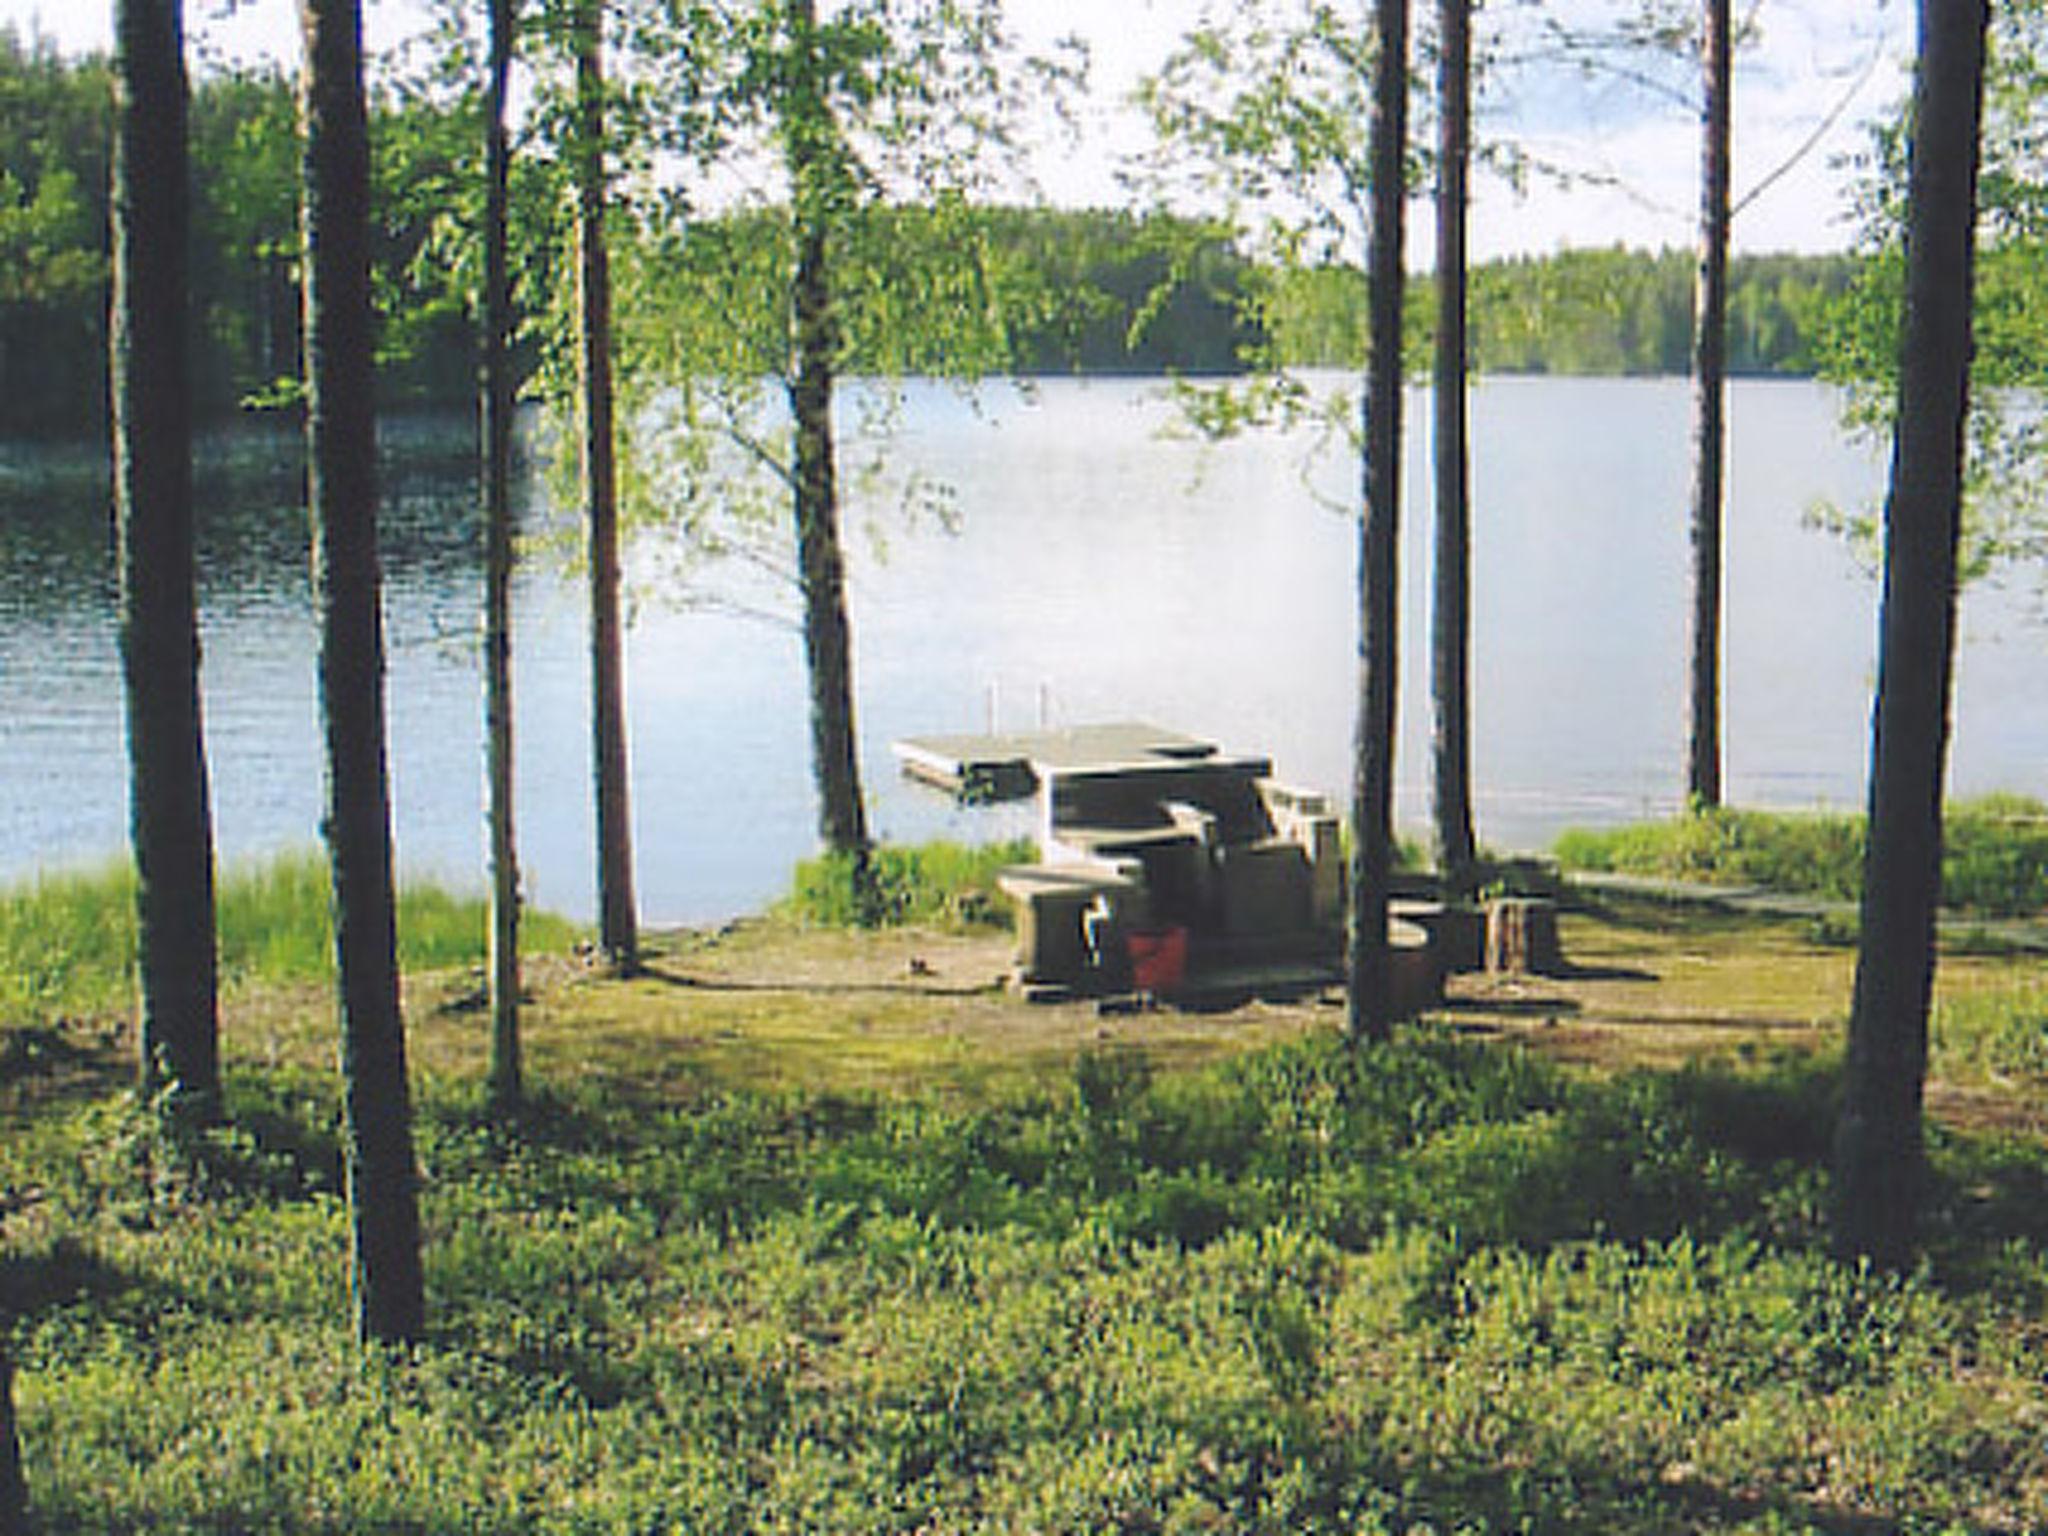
[
  {"x": 1138, "y": 294},
  {"x": 56, "y": 129},
  {"x": 1591, "y": 311}
]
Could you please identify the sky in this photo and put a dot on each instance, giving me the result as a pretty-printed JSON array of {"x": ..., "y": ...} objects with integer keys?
[{"x": 1810, "y": 79}]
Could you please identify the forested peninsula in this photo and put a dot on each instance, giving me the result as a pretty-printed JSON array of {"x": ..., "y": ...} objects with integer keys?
[{"x": 1141, "y": 294}]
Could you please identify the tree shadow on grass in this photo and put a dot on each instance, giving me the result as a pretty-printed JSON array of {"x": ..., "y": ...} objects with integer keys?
[
  {"x": 1572, "y": 970},
  {"x": 1986, "y": 1225},
  {"x": 66, "y": 1273},
  {"x": 1595, "y": 1498},
  {"x": 684, "y": 981},
  {"x": 1985, "y": 1207},
  {"x": 63, "y": 1058},
  {"x": 1712, "y": 1148},
  {"x": 1538, "y": 1007}
]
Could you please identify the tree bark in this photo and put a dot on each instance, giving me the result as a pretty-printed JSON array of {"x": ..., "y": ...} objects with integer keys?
[
  {"x": 1879, "y": 1150},
  {"x": 828, "y": 645},
  {"x": 618, "y": 931},
  {"x": 1709, "y": 356},
  {"x": 170, "y": 820},
  {"x": 498, "y": 405},
  {"x": 13, "y": 1482},
  {"x": 1370, "y": 1012},
  {"x": 1451, "y": 613},
  {"x": 842, "y": 818},
  {"x": 341, "y": 442}
]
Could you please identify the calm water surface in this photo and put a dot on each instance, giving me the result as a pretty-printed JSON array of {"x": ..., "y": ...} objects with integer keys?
[{"x": 1102, "y": 570}]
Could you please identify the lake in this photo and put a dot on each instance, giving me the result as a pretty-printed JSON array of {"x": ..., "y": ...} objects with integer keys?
[{"x": 1103, "y": 569}]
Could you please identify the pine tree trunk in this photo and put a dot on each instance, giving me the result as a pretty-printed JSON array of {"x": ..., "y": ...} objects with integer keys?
[
  {"x": 1709, "y": 358},
  {"x": 13, "y": 1482},
  {"x": 498, "y": 403},
  {"x": 170, "y": 820},
  {"x": 1371, "y": 1003},
  {"x": 618, "y": 923},
  {"x": 1879, "y": 1151},
  {"x": 828, "y": 644},
  {"x": 342, "y": 445},
  {"x": 1451, "y": 614}
]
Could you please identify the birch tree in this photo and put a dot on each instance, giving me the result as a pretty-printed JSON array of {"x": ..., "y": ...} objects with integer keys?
[
  {"x": 1709, "y": 439},
  {"x": 851, "y": 125},
  {"x": 815, "y": 162}
]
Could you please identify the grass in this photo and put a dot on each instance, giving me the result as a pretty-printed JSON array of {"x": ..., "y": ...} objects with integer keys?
[
  {"x": 2000, "y": 1034},
  {"x": 1299, "y": 1290},
  {"x": 951, "y": 884},
  {"x": 1995, "y": 861},
  {"x": 66, "y": 938},
  {"x": 796, "y": 1236}
]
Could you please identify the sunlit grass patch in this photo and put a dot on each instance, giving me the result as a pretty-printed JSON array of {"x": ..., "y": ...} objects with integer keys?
[
  {"x": 937, "y": 882},
  {"x": 1995, "y": 856},
  {"x": 67, "y": 939},
  {"x": 1998, "y": 1031}
]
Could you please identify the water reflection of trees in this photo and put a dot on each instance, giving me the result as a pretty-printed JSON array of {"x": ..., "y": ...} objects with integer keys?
[{"x": 56, "y": 550}]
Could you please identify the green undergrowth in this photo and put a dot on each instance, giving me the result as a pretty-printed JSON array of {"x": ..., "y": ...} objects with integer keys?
[
  {"x": 1995, "y": 861},
  {"x": 1443, "y": 1286},
  {"x": 67, "y": 940},
  {"x": 944, "y": 884},
  {"x": 2001, "y": 1033}
]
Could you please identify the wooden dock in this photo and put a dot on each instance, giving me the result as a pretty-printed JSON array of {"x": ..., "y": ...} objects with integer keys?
[{"x": 1006, "y": 766}]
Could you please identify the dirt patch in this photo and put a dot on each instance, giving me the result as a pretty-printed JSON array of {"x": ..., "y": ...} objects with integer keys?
[
  {"x": 2014, "y": 1110},
  {"x": 766, "y": 955},
  {"x": 765, "y": 1002}
]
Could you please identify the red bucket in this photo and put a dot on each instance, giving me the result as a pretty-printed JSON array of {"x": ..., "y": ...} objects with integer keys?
[{"x": 1159, "y": 958}]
